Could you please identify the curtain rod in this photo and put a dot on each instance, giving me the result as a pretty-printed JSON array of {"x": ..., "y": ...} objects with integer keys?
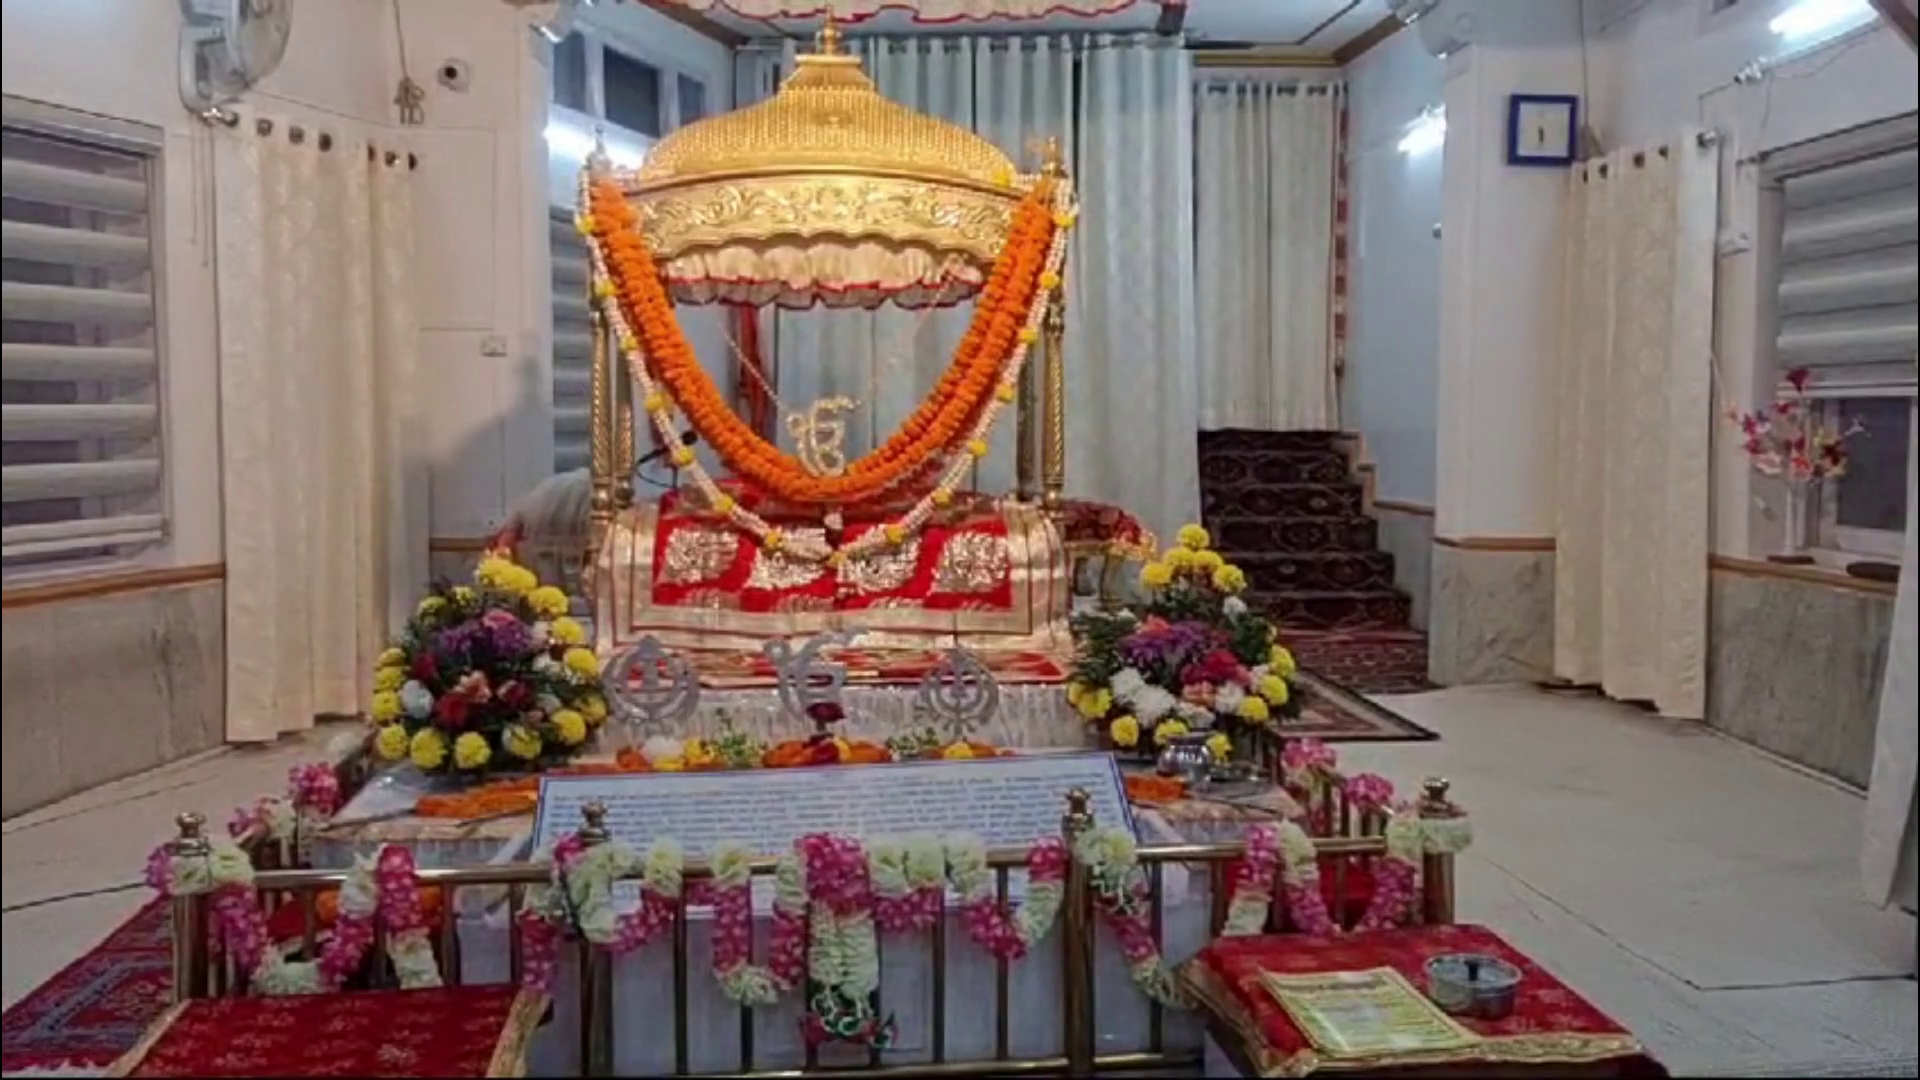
[
  {"x": 995, "y": 42},
  {"x": 297, "y": 135},
  {"x": 1255, "y": 58}
]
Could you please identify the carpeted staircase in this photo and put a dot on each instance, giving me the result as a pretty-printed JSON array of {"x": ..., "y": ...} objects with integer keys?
[{"x": 1286, "y": 507}]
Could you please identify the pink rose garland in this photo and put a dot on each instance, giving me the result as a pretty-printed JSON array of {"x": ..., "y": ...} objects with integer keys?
[{"x": 992, "y": 926}]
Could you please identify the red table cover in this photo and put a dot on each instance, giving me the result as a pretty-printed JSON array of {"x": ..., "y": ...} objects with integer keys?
[
  {"x": 1550, "y": 1025},
  {"x": 451, "y": 1031}
]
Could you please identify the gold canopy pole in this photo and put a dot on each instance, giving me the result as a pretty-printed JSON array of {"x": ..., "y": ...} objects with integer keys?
[
  {"x": 1053, "y": 465},
  {"x": 600, "y": 422}
]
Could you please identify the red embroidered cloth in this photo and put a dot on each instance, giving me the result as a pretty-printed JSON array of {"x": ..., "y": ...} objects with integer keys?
[
  {"x": 451, "y": 1031},
  {"x": 1552, "y": 1027},
  {"x": 697, "y": 560},
  {"x": 1101, "y": 528}
]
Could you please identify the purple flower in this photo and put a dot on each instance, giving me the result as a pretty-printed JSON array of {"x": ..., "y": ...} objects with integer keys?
[
  {"x": 1164, "y": 646},
  {"x": 506, "y": 633}
]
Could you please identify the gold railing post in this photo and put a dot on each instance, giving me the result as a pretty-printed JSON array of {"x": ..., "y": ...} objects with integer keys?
[
  {"x": 1077, "y": 941},
  {"x": 190, "y": 914},
  {"x": 599, "y": 432},
  {"x": 1053, "y": 466},
  {"x": 596, "y": 973},
  {"x": 1437, "y": 870},
  {"x": 1025, "y": 486}
]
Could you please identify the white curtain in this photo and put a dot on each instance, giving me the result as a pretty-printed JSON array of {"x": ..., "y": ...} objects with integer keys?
[
  {"x": 1264, "y": 210},
  {"x": 1133, "y": 401},
  {"x": 1888, "y": 861},
  {"x": 324, "y": 488},
  {"x": 1634, "y": 420}
]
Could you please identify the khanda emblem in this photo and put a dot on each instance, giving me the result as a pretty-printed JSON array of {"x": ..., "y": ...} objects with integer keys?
[{"x": 820, "y": 435}]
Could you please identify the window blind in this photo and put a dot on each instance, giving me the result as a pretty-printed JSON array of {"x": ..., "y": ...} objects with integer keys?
[
  {"x": 82, "y": 430},
  {"x": 572, "y": 346},
  {"x": 1848, "y": 265}
]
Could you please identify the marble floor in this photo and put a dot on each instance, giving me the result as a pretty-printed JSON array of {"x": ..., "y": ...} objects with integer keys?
[{"x": 1702, "y": 893}]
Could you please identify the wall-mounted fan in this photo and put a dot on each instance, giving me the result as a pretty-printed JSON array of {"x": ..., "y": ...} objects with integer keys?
[{"x": 227, "y": 46}]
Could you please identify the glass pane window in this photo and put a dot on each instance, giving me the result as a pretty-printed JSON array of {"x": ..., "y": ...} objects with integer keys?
[
  {"x": 632, "y": 90},
  {"x": 570, "y": 73},
  {"x": 693, "y": 100}
]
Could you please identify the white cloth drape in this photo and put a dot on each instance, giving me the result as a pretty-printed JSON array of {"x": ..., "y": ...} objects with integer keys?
[
  {"x": 1133, "y": 401},
  {"x": 1264, "y": 211},
  {"x": 323, "y": 486},
  {"x": 1634, "y": 420},
  {"x": 1888, "y": 862}
]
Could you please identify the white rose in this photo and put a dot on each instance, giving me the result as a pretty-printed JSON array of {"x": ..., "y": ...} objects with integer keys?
[
  {"x": 1152, "y": 703},
  {"x": 1127, "y": 683},
  {"x": 1234, "y": 607},
  {"x": 1228, "y": 698}
]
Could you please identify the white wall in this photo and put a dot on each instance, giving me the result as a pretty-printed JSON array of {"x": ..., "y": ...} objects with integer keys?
[{"x": 1388, "y": 392}]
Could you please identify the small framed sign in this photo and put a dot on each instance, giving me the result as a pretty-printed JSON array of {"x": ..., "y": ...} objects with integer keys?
[{"x": 1543, "y": 129}]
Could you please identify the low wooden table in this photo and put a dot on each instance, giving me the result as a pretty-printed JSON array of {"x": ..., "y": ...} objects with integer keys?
[
  {"x": 1553, "y": 1031},
  {"x": 457, "y": 1031}
]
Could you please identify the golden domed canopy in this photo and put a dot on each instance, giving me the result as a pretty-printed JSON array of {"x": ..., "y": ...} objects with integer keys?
[{"x": 826, "y": 192}]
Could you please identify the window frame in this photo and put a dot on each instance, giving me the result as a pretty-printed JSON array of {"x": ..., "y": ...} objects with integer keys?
[
  {"x": 596, "y": 42},
  {"x": 1829, "y": 542},
  {"x": 50, "y": 121}
]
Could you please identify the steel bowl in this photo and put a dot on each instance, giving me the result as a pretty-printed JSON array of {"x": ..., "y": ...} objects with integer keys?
[{"x": 1473, "y": 984}]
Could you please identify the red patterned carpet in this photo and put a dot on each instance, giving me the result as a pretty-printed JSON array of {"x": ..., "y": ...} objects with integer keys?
[
  {"x": 1365, "y": 661},
  {"x": 97, "y": 1007}
]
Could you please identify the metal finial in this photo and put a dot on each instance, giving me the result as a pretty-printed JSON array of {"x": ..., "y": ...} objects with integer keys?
[
  {"x": 1434, "y": 798},
  {"x": 598, "y": 160},
  {"x": 192, "y": 838},
  {"x": 827, "y": 41},
  {"x": 595, "y": 832},
  {"x": 1079, "y": 817},
  {"x": 1053, "y": 161}
]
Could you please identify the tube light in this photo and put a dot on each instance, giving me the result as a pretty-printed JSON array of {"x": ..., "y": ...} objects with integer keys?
[
  {"x": 1425, "y": 134},
  {"x": 1814, "y": 20}
]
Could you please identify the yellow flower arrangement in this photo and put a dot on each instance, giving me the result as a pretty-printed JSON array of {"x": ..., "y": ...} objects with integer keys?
[
  {"x": 428, "y": 750},
  {"x": 548, "y": 602},
  {"x": 463, "y": 595},
  {"x": 1095, "y": 703},
  {"x": 385, "y": 707},
  {"x": 521, "y": 741},
  {"x": 1275, "y": 690},
  {"x": 594, "y": 708},
  {"x": 1208, "y": 562},
  {"x": 1230, "y": 579},
  {"x": 959, "y": 751},
  {"x": 391, "y": 742},
  {"x": 1219, "y": 745},
  {"x": 1179, "y": 558},
  {"x": 1156, "y": 575},
  {"x": 1194, "y": 537},
  {"x": 470, "y": 751},
  {"x": 502, "y": 574},
  {"x": 1167, "y": 730},
  {"x": 581, "y": 662},
  {"x": 570, "y": 726},
  {"x": 566, "y": 630},
  {"x": 388, "y": 678},
  {"x": 431, "y": 606},
  {"x": 1076, "y": 691},
  {"x": 1282, "y": 662},
  {"x": 1254, "y": 710},
  {"x": 393, "y": 657},
  {"x": 1125, "y": 732}
]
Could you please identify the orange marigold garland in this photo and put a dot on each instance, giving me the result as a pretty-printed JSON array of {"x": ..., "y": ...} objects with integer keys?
[{"x": 955, "y": 417}]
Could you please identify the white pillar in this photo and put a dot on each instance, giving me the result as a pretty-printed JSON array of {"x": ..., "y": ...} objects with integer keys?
[{"x": 1492, "y": 614}]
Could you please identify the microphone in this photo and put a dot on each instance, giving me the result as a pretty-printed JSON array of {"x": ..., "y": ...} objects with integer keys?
[{"x": 688, "y": 437}]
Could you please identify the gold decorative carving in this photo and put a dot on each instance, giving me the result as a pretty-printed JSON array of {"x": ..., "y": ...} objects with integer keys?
[
  {"x": 971, "y": 563},
  {"x": 899, "y": 211},
  {"x": 882, "y": 571},
  {"x": 694, "y": 556},
  {"x": 775, "y": 570}
]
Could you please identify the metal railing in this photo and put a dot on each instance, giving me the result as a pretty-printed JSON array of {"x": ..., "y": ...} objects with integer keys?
[{"x": 201, "y": 971}]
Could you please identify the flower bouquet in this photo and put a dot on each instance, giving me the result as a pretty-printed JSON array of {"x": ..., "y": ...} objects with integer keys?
[
  {"x": 1787, "y": 440},
  {"x": 492, "y": 676},
  {"x": 1196, "y": 659}
]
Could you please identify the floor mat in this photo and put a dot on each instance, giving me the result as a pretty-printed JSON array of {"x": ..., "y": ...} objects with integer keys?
[
  {"x": 1365, "y": 661},
  {"x": 97, "y": 1007},
  {"x": 1335, "y": 714}
]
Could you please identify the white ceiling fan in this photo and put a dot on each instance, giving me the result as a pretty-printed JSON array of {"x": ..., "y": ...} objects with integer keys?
[{"x": 226, "y": 46}]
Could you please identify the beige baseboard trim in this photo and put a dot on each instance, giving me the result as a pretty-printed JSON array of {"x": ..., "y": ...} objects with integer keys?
[
  {"x": 1401, "y": 506},
  {"x": 1496, "y": 543},
  {"x": 1809, "y": 575},
  {"x": 115, "y": 584}
]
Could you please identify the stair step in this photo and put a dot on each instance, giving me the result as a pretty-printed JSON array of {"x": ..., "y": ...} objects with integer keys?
[
  {"x": 1283, "y": 500},
  {"x": 1330, "y": 610},
  {"x": 1225, "y": 470},
  {"x": 1230, "y": 440},
  {"x": 1305, "y": 572},
  {"x": 1237, "y": 532}
]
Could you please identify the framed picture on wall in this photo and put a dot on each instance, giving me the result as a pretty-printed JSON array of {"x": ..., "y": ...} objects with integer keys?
[{"x": 1543, "y": 129}]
